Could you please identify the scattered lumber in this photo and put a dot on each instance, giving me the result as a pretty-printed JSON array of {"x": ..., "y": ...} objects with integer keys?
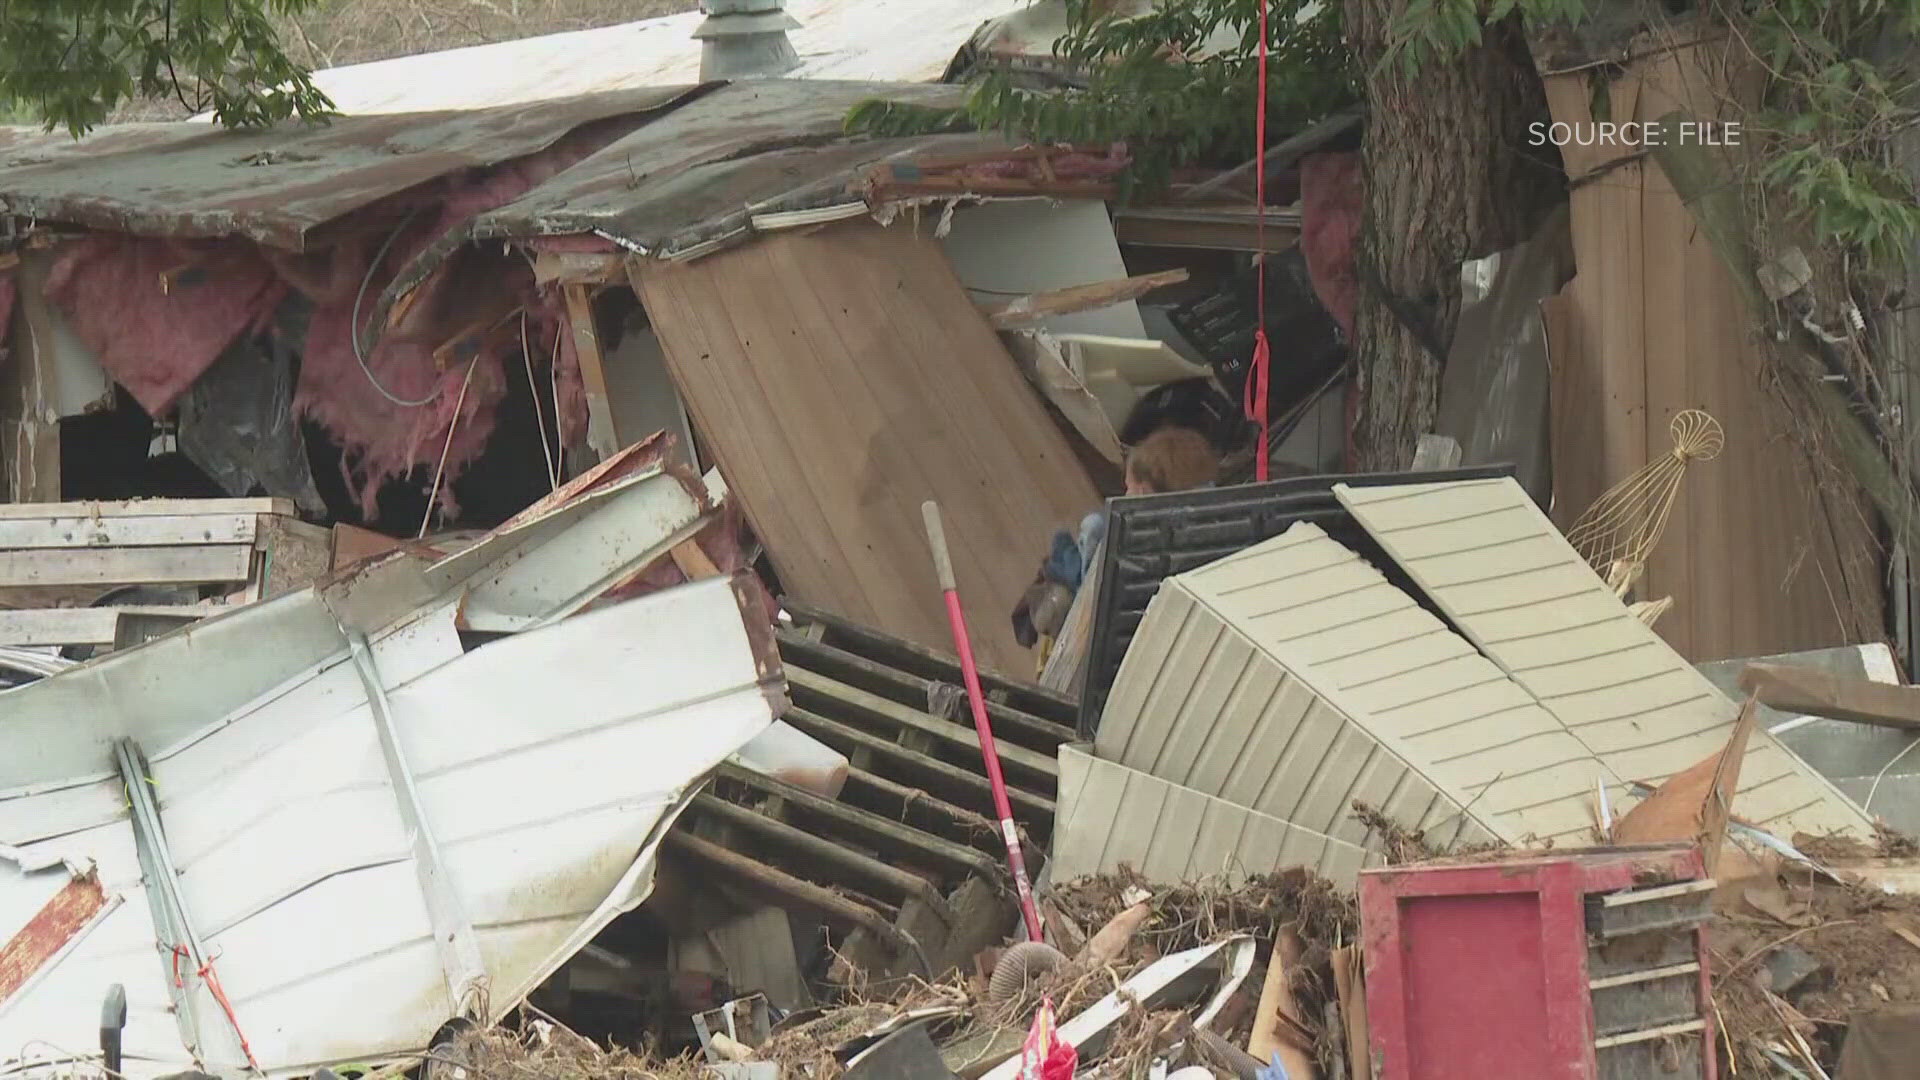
[
  {"x": 1817, "y": 693},
  {"x": 1032, "y": 308}
]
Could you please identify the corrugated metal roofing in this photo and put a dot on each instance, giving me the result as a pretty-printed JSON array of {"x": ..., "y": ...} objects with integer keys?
[
  {"x": 1493, "y": 562},
  {"x": 275, "y": 185},
  {"x": 706, "y": 167},
  {"x": 876, "y": 40},
  {"x": 1377, "y": 700},
  {"x": 1112, "y": 815}
]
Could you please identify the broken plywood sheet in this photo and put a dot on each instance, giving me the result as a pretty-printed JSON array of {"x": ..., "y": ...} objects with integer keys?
[
  {"x": 840, "y": 379},
  {"x": 1499, "y": 569},
  {"x": 1294, "y": 678},
  {"x": 1112, "y": 815}
]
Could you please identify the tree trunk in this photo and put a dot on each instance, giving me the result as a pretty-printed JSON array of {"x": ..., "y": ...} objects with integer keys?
[{"x": 1451, "y": 176}]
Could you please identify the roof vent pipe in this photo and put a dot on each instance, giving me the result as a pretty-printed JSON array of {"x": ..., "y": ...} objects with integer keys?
[{"x": 745, "y": 39}]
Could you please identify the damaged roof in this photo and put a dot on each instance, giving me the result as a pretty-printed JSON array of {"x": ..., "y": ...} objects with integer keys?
[
  {"x": 276, "y": 185},
  {"x": 702, "y": 171},
  {"x": 693, "y": 159}
]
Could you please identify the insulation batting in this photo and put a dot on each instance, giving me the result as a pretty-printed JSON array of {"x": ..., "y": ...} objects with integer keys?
[
  {"x": 155, "y": 339},
  {"x": 381, "y": 439},
  {"x": 1332, "y": 200}
]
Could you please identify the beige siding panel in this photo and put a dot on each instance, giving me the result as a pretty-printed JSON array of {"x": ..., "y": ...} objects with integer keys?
[
  {"x": 1489, "y": 700},
  {"x": 1382, "y": 631},
  {"x": 1141, "y": 672},
  {"x": 1395, "y": 674},
  {"x": 1270, "y": 735},
  {"x": 1511, "y": 558},
  {"x": 1597, "y": 670},
  {"x": 1290, "y": 624},
  {"x": 1668, "y": 691},
  {"x": 1424, "y": 685},
  {"x": 1595, "y": 680},
  {"x": 1103, "y": 824},
  {"x": 1535, "y": 647},
  {"x": 1489, "y": 733},
  {"x": 1575, "y": 613},
  {"x": 1386, "y": 663},
  {"x": 1258, "y": 690}
]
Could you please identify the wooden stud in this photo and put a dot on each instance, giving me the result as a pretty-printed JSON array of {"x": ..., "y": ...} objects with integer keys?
[{"x": 601, "y": 437}]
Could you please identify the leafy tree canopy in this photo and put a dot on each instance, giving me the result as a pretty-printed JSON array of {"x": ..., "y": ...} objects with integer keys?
[
  {"x": 71, "y": 62},
  {"x": 1178, "y": 83}
]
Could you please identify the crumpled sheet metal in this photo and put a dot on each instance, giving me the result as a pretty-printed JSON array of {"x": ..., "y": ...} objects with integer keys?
[{"x": 281, "y": 810}]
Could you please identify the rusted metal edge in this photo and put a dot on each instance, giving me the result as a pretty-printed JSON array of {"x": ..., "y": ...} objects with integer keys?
[{"x": 60, "y": 924}]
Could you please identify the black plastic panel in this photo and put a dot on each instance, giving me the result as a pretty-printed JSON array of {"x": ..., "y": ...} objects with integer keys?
[{"x": 1153, "y": 537}]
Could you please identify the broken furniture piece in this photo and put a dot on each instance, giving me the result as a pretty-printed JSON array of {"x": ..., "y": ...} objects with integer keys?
[
  {"x": 105, "y": 575},
  {"x": 1595, "y": 963}
]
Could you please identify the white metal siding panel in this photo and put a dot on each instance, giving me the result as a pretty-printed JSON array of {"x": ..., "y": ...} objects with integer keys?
[
  {"x": 1494, "y": 563},
  {"x": 1110, "y": 814}
]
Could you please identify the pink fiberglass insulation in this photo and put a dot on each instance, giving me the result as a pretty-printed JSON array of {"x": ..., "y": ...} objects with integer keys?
[
  {"x": 1332, "y": 199},
  {"x": 381, "y": 438},
  {"x": 547, "y": 327},
  {"x": 157, "y": 313}
]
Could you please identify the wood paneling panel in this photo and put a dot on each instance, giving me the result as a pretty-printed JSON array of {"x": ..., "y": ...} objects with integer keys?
[
  {"x": 1759, "y": 557},
  {"x": 841, "y": 378}
]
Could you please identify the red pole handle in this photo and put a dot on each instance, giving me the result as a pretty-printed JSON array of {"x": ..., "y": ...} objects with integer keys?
[{"x": 989, "y": 752}]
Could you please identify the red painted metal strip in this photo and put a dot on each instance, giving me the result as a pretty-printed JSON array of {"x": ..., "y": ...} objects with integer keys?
[{"x": 49, "y": 931}]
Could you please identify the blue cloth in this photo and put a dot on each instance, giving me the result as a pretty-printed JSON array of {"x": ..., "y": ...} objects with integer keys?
[
  {"x": 1064, "y": 563},
  {"x": 1276, "y": 1071},
  {"x": 1093, "y": 533}
]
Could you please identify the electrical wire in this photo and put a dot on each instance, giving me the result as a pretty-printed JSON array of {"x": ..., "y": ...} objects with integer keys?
[
  {"x": 1882, "y": 774},
  {"x": 540, "y": 418},
  {"x": 453, "y": 425},
  {"x": 359, "y": 349}
]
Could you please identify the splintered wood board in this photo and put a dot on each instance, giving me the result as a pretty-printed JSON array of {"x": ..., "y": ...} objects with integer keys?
[
  {"x": 198, "y": 565},
  {"x": 841, "y": 378}
]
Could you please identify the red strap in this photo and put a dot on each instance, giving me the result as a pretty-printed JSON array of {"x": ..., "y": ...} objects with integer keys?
[
  {"x": 208, "y": 976},
  {"x": 213, "y": 983},
  {"x": 1256, "y": 389}
]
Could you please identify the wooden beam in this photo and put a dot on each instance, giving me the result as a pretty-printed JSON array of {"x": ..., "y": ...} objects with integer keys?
[
  {"x": 1034, "y": 307},
  {"x": 208, "y": 564},
  {"x": 146, "y": 508},
  {"x": 769, "y": 880},
  {"x": 593, "y": 371},
  {"x": 903, "y": 764},
  {"x": 1277, "y": 1024},
  {"x": 823, "y": 857},
  {"x": 799, "y": 650},
  {"x": 1206, "y": 229},
  {"x": 693, "y": 562},
  {"x": 579, "y": 267},
  {"x": 1817, "y": 693},
  {"x": 69, "y": 530},
  {"x": 875, "y": 709}
]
